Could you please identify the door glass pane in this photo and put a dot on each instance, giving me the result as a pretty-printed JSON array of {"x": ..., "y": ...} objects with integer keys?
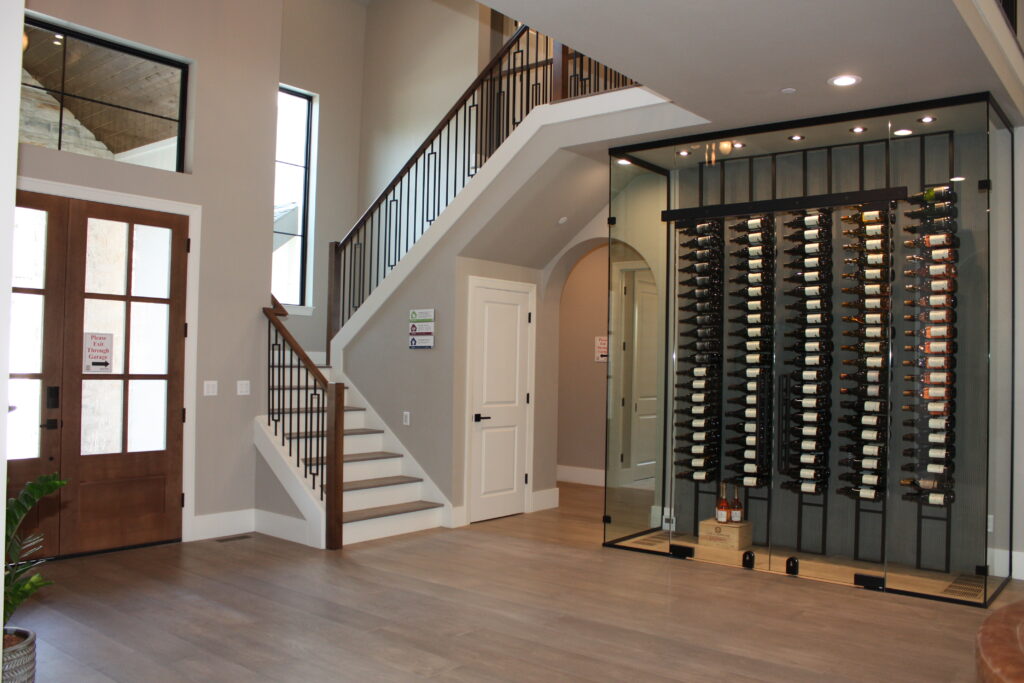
[
  {"x": 23, "y": 423},
  {"x": 26, "y": 332},
  {"x": 149, "y": 339},
  {"x": 147, "y": 415},
  {"x": 101, "y": 416},
  {"x": 29, "y": 248},
  {"x": 151, "y": 262},
  {"x": 106, "y": 317},
  {"x": 106, "y": 256}
]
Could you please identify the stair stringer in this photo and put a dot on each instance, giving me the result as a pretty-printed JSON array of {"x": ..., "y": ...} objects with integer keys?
[
  {"x": 450, "y": 516},
  {"x": 311, "y": 530}
]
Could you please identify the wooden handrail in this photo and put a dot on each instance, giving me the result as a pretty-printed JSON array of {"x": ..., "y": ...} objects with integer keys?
[{"x": 274, "y": 314}]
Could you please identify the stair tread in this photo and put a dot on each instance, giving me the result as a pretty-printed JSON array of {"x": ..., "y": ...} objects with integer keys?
[
  {"x": 358, "y": 431},
  {"x": 371, "y": 455},
  {"x": 387, "y": 511},
  {"x": 283, "y": 411},
  {"x": 379, "y": 482}
]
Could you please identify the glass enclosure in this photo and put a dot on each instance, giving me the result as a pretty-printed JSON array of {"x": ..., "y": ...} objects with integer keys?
[{"x": 834, "y": 393}]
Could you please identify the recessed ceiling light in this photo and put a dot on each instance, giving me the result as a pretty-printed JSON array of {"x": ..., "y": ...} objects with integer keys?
[
  {"x": 858, "y": 129},
  {"x": 844, "y": 80},
  {"x": 902, "y": 132},
  {"x": 738, "y": 145},
  {"x": 796, "y": 138},
  {"x": 562, "y": 220},
  {"x": 57, "y": 42},
  {"x": 684, "y": 153},
  {"x": 957, "y": 179},
  {"x": 927, "y": 119},
  {"x": 788, "y": 91},
  {"x": 625, "y": 162},
  {"x": 58, "y": 36}
]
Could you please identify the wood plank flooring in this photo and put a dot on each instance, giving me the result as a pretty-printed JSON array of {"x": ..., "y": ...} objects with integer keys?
[{"x": 525, "y": 598}]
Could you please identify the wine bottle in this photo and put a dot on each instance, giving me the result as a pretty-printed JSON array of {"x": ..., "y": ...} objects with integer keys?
[
  {"x": 868, "y": 304},
  {"x": 932, "y": 408},
  {"x": 702, "y": 359},
  {"x": 868, "y": 376},
  {"x": 752, "y": 319},
  {"x": 813, "y": 459},
  {"x": 809, "y": 263},
  {"x": 868, "y": 289},
  {"x": 939, "y": 469},
  {"x": 865, "y": 420},
  {"x": 700, "y": 307},
  {"x": 867, "y": 319},
  {"x": 938, "y": 286},
  {"x": 753, "y": 251},
  {"x": 811, "y": 291},
  {"x": 812, "y": 388},
  {"x": 752, "y": 305},
  {"x": 808, "y": 487},
  {"x": 870, "y": 230},
  {"x": 933, "y": 361},
  {"x": 702, "y": 397},
  {"x": 867, "y": 347},
  {"x": 865, "y": 391},
  {"x": 812, "y": 445},
  {"x": 815, "y": 346},
  {"x": 704, "y": 345},
  {"x": 713, "y": 254},
  {"x": 811, "y": 402},
  {"x": 933, "y": 378},
  {"x": 808, "y": 473},
  {"x": 704, "y": 293},
  {"x": 698, "y": 437},
  {"x": 699, "y": 409},
  {"x": 813, "y": 318},
  {"x": 743, "y": 413},
  {"x": 705, "y": 228},
  {"x": 864, "y": 478},
  {"x": 874, "y": 246},
  {"x": 933, "y": 332},
  {"x": 756, "y": 332},
  {"x": 747, "y": 481},
  {"x": 810, "y": 431},
  {"x": 808, "y": 276},
  {"x": 701, "y": 333},
  {"x": 933, "y": 315},
  {"x": 699, "y": 463},
  {"x": 808, "y": 305},
  {"x": 868, "y": 332},
  {"x": 811, "y": 375},
  {"x": 754, "y": 292},
  {"x": 860, "y": 492},
  {"x": 752, "y": 238},
  {"x": 697, "y": 475},
  {"x": 752, "y": 346},
  {"x": 926, "y": 483},
  {"x": 811, "y": 235},
  {"x": 748, "y": 373},
  {"x": 863, "y": 434},
  {"x": 862, "y": 217},
  {"x": 698, "y": 450},
  {"x": 867, "y": 362},
  {"x": 933, "y": 211},
  {"x": 702, "y": 242},
  {"x": 869, "y": 406},
  {"x": 752, "y": 278},
  {"x": 940, "y": 240},
  {"x": 755, "y": 223},
  {"x": 748, "y": 387},
  {"x": 936, "y": 270},
  {"x": 702, "y": 268},
  {"x": 932, "y": 438},
  {"x": 704, "y": 320},
  {"x": 722, "y": 506},
  {"x": 735, "y": 506},
  {"x": 939, "y": 193},
  {"x": 697, "y": 281},
  {"x": 935, "y": 423},
  {"x": 747, "y": 440},
  {"x": 745, "y": 454},
  {"x": 870, "y": 275},
  {"x": 696, "y": 385},
  {"x": 936, "y": 256},
  {"x": 705, "y": 423},
  {"x": 865, "y": 450},
  {"x": 755, "y": 359},
  {"x": 811, "y": 220},
  {"x": 869, "y": 260},
  {"x": 810, "y": 249},
  {"x": 813, "y": 361},
  {"x": 932, "y": 393},
  {"x": 752, "y": 264},
  {"x": 703, "y": 371},
  {"x": 748, "y": 467},
  {"x": 812, "y": 417},
  {"x": 934, "y": 498},
  {"x": 806, "y": 333},
  {"x": 935, "y": 225}
]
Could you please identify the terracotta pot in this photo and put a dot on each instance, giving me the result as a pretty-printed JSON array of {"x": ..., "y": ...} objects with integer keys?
[{"x": 20, "y": 659}]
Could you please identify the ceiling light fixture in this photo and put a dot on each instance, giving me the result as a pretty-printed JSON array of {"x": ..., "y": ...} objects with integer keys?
[
  {"x": 562, "y": 220},
  {"x": 957, "y": 179},
  {"x": 844, "y": 80},
  {"x": 796, "y": 138},
  {"x": 858, "y": 129},
  {"x": 903, "y": 132},
  {"x": 927, "y": 119},
  {"x": 738, "y": 145},
  {"x": 788, "y": 91},
  {"x": 625, "y": 162},
  {"x": 684, "y": 153}
]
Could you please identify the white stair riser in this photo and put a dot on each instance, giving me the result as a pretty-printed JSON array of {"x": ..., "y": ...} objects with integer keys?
[
  {"x": 298, "y": 399},
  {"x": 371, "y": 469},
  {"x": 381, "y": 495},
  {"x": 355, "y": 418},
  {"x": 363, "y": 443},
  {"x": 355, "y": 532}
]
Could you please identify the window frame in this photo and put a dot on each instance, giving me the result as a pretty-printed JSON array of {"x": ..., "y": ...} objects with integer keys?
[
  {"x": 310, "y": 99},
  {"x": 182, "y": 119}
]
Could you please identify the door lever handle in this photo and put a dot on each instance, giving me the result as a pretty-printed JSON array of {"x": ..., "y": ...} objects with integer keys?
[
  {"x": 477, "y": 417},
  {"x": 49, "y": 424}
]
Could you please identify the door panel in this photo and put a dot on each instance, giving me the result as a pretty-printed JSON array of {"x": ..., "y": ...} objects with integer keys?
[
  {"x": 645, "y": 437},
  {"x": 498, "y": 367}
]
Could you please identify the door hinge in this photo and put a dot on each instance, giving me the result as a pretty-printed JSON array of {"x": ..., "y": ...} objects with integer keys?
[
  {"x": 625, "y": 290},
  {"x": 188, "y": 245},
  {"x": 529, "y": 317},
  {"x": 526, "y": 478},
  {"x": 527, "y": 397},
  {"x": 623, "y": 346},
  {"x": 183, "y": 414},
  {"x": 622, "y": 458},
  {"x": 607, "y": 519},
  {"x": 186, "y": 329},
  {"x": 611, "y": 220},
  {"x": 623, "y": 402},
  {"x": 182, "y": 500}
]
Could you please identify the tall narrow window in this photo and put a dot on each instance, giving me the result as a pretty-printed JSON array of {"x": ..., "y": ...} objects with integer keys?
[{"x": 291, "y": 196}]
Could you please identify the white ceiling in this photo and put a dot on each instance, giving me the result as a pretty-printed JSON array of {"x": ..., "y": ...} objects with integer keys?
[{"x": 727, "y": 60}]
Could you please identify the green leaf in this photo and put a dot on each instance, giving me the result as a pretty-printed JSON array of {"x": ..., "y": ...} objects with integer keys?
[{"x": 19, "y": 583}]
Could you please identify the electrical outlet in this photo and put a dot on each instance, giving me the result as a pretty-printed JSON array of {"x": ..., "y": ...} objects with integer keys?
[
  {"x": 243, "y": 387},
  {"x": 991, "y": 523},
  {"x": 405, "y": 418},
  {"x": 210, "y": 387}
]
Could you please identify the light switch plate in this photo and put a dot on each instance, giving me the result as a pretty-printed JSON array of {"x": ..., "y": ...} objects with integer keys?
[
  {"x": 210, "y": 387},
  {"x": 242, "y": 387},
  {"x": 405, "y": 418}
]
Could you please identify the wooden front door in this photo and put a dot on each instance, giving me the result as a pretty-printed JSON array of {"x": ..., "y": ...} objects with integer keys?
[{"x": 97, "y": 330}]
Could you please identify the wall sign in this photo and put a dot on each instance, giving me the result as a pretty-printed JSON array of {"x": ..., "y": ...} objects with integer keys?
[
  {"x": 97, "y": 352},
  {"x": 600, "y": 349},
  {"x": 421, "y": 328}
]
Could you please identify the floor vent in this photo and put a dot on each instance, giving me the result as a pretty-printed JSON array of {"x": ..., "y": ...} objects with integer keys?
[
  {"x": 966, "y": 587},
  {"x": 233, "y": 538}
]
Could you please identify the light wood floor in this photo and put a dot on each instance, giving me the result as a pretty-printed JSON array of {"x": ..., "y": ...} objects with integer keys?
[{"x": 526, "y": 598}]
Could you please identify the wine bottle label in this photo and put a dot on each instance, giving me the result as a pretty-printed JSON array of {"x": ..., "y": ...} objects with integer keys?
[
  {"x": 813, "y": 305},
  {"x": 874, "y": 361},
  {"x": 752, "y": 358},
  {"x": 871, "y": 449},
  {"x": 808, "y": 459},
  {"x": 937, "y": 377},
  {"x": 936, "y": 423},
  {"x": 869, "y": 435},
  {"x": 875, "y": 230},
  {"x": 934, "y": 392},
  {"x": 873, "y": 390},
  {"x": 699, "y": 384},
  {"x": 940, "y": 240},
  {"x": 699, "y": 398},
  {"x": 936, "y": 499},
  {"x": 750, "y": 427},
  {"x": 814, "y": 360},
  {"x": 936, "y": 407},
  {"x": 750, "y": 413},
  {"x": 935, "y": 469},
  {"x": 736, "y": 515},
  {"x": 808, "y": 403},
  {"x": 937, "y": 331},
  {"x": 869, "y": 420},
  {"x": 700, "y": 372},
  {"x": 815, "y": 319},
  {"x": 753, "y": 331},
  {"x": 873, "y": 376},
  {"x": 873, "y": 289},
  {"x": 812, "y": 248},
  {"x": 814, "y": 290},
  {"x": 808, "y": 375},
  {"x": 870, "y": 463},
  {"x": 873, "y": 332},
  {"x": 875, "y": 259},
  {"x": 871, "y": 217},
  {"x": 812, "y": 276},
  {"x": 701, "y": 476},
  {"x": 754, "y": 305},
  {"x": 937, "y": 454},
  {"x": 700, "y": 436},
  {"x": 807, "y": 445},
  {"x": 697, "y": 449},
  {"x": 755, "y": 252},
  {"x": 750, "y": 481},
  {"x": 870, "y": 479},
  {"x": 698, "y": 463},
  {"x": 750, "y": 399},
  {"x": 942, "y": 254},
  {"x": 872, "y": 303},
  {"x": 809, "y": 417},
  {"x": 813, "y": 347},
  {"x": 936, "y": 271},
  {"x": 721, "y": 516},
  {"x": 810, "y": 235},
  {"x": 874, "y": 274},
  {"x": 754, "y": 223},
  {"x": 872, "y": 347},
  {"x": 752, "y": 346},
  {"x": 808, "y": 431},
  {"x": 808, "y": 486},
  {"x": 867, "y": 493},
  {"x": 940, "y": 285},
  {"x": 812, "y": 333},
  {"x": 935, "y": 362},
  {"x": 874, "y": 245},
  {"x": 750, "y": 440},
  {"x": 755, "y": 264},
  {"x": 810, "y": 388},
  {"x": 750, "y": 467},
  {"x": 754, "y": 278},
  {"x": 699, "y": 424},
  {"x": 752, "y": 372},
  {"x": 873, "y": 318},
  {"x": 698, "y": 410},
  {"x": 873, "y": 406},
  {"x": 749, "y": 454},
  {"x": 937, "y": 316},
  {"x": 936, "y": 437},
  {"x": 755, "y": 292},
  {"x": 811, "y": 221},
  {"x": 812, "y": 263},
  {"x": 754, "y": 238}
]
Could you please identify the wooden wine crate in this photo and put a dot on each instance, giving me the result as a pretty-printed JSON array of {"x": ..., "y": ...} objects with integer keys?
[{"x": 734, "y": 536}]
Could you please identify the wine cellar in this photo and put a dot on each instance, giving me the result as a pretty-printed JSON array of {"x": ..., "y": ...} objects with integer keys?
[{"x": 834, "y": 394}]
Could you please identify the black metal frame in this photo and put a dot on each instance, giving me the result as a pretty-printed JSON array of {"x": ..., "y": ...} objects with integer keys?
[
  {"x": 182, "y": 118},
  {"x": 307, "y": 171}
]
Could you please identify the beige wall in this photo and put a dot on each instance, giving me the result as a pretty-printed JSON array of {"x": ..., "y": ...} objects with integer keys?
[
  {"x": 234, "y": 46},
  {"x": 581, "y": 380},
  {"x": 420, "y": 56}
]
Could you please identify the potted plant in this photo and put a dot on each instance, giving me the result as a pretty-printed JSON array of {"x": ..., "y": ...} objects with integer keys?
[{"x": 19, "y": 580}]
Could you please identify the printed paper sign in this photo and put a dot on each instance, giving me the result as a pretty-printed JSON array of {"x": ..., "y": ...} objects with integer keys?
[
  {"x": 600, "y": 349},
  {"x": 97, "y": 352},
  {"x": 424, "y": 342},
  {"x": 421, "y": 328},
  {"x": 421, "y": 315}
]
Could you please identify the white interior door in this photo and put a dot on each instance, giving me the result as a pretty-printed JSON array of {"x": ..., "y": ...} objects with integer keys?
[
  {"x": 645, "y": 437},
  {"x": 499, "y": 357}
]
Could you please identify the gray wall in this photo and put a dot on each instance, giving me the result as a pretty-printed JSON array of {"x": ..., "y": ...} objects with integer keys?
[
  {"x": 581, "y": 380},
  {"x": 234, "y": 45}
]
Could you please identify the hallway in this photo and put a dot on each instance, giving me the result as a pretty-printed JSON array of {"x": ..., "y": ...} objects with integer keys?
[{"x": 529, "y": 597}]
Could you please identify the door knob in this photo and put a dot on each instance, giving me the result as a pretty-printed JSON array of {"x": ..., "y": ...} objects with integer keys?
[{"x": 477, "y": 417}]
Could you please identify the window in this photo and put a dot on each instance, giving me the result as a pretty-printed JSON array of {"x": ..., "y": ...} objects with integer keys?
[
  {"x": 90, "y": 96},
  {"x": 291, "y": 195}
]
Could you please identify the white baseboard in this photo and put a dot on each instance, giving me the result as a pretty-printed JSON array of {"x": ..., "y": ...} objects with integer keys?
[
  {"x": 221, "y": 524},
  {"x": 454, "y": 516},
  {"x": 542, "y": 500},
  {"x": 294, "y": 529},
  {"x": 581, "y": 475}
]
